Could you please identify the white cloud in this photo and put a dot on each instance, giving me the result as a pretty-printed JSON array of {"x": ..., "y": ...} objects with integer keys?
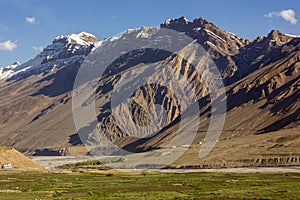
[
  {"x": 288, "y": 15},
  {"x": 37, "y": 48},
  {"x": 8, "y": 45},
  {"x": 30, "y": 20}
]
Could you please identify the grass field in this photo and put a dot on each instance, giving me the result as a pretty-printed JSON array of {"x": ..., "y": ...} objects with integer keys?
[{"x": 117, "y": 185}]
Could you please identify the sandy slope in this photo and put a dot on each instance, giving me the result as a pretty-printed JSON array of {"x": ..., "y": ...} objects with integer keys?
[{"x": 9, "y": 155}]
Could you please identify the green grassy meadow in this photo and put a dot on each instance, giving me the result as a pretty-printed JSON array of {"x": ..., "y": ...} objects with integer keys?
[{"x": 118, "y": 185}]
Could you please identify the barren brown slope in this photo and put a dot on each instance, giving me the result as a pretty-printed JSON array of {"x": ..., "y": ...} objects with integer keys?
[
  {"x": 18, "y": 161},
  {"x": 262, "y": 89},
  {"x": 262, "y": 119},
  {"x": 265, "y": 100},
  {"x": 23, "y": 124}
]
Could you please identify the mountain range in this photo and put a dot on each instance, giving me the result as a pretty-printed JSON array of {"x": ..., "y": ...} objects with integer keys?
[{"x": 261, "y": 79}]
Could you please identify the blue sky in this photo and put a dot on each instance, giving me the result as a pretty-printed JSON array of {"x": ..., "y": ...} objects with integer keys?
[{"x": 27, "y": 25}]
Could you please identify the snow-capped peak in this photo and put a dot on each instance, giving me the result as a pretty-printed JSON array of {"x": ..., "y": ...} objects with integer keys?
[
  {"x": 64, "y": 51},
  {"x": 82, "y": 38},
  {"x": 8, "y": 70}
]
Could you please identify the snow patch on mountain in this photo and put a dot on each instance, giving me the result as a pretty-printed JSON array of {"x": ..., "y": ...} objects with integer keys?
[
  {"x": 83, "y": 38},
  {"x": 64, "y": 51},
  {"x": 8, "y": 70},
  {"x": 294, "y": 36}
]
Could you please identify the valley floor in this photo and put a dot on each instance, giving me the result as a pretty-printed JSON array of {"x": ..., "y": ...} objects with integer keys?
[{"x": 148, "y": 185}]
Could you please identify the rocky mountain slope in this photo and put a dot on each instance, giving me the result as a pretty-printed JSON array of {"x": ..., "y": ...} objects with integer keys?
[{"x": 261, "y": 80}]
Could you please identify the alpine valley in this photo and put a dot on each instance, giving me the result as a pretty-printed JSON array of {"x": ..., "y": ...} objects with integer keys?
[{"x": 261, "y": 78}]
